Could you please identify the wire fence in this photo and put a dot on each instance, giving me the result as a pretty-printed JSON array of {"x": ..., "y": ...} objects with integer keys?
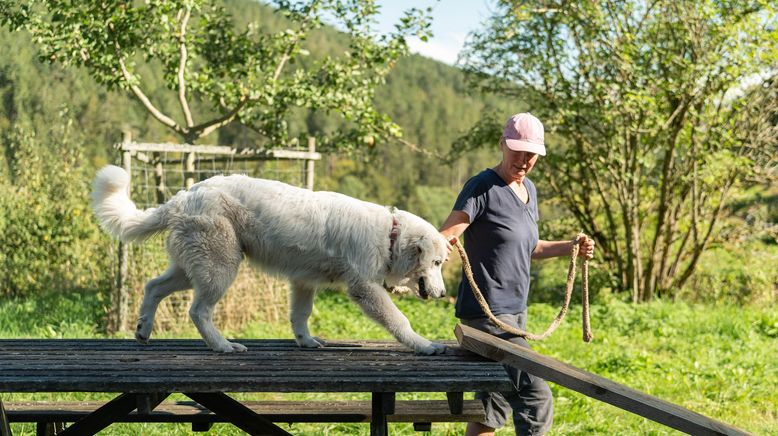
[{"x": 159, "y": 171}]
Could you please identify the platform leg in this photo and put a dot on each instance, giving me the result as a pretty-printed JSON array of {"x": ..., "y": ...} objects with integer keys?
[
  {"x": 382, "y": 405},
  {"x": 5, "y": 426}
]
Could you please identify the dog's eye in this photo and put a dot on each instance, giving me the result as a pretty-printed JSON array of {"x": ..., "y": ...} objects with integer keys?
[{"x": 437, "y": 263}]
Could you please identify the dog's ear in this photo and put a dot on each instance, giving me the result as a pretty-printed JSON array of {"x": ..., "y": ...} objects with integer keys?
[{"x": 418, "y": 245}]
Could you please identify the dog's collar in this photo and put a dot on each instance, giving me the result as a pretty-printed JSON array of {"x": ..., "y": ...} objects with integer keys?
[{"x": 393, "y": 237}]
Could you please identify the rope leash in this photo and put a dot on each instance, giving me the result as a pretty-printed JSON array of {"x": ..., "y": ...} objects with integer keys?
[{"x": 587, "y": 329}]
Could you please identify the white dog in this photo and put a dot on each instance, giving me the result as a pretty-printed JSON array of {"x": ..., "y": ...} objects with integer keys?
[{"x": 309, "y": 237}]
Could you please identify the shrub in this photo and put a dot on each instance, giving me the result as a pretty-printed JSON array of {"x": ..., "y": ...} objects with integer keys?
[{"x": 49, "y": 237}]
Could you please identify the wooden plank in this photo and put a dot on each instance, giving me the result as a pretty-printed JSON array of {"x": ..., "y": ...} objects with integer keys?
[
  {"x": 238, "y": 414},
  {"x": 5, "y": 425},
  {"x": 152, "y": 384},
  {"x": 104, "y": 416},
  {"x": 591, "y": 385},
  {"x": 225, "y": 150},
  {"x": 276, "y": 411}
]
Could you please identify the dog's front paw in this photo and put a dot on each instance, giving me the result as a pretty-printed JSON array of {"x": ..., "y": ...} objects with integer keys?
[
  {"x": 230, "y": 347},
  {"x": 310, "y": 342},
  {"x": 143, "y": 330},
  {"x": 431, "y": 349}
]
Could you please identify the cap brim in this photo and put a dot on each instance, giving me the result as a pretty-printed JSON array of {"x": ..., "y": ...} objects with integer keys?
[{"x": 519, "y": 145}]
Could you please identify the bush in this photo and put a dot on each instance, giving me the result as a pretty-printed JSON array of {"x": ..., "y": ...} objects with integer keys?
[
  {"x": 49, "y": 237},
  {"x": 735, "y": 273}
]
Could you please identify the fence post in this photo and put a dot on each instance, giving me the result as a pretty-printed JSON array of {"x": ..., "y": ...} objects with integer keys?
[
  {"x": 159, "y": 177},
  {"x": 309, "y": 164},
  {"x": 121, "y": 297},
  {"x": 189, "y": 169}
]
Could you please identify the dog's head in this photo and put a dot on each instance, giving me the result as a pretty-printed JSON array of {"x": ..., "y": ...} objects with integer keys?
[{"x": 419, "y": 257}]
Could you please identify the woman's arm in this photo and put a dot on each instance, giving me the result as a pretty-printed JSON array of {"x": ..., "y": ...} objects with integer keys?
[
  {"x": 455, "y": 225},
  {"x": 546, "y": 249}
]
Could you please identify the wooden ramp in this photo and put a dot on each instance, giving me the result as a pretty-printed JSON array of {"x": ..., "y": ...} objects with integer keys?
[{"x": 591, "y": 385}]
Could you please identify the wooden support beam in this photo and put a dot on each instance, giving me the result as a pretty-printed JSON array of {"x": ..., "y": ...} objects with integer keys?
[
  {"x": 422, "y": 426},
  {"x": 148, "y": 402},
  {"x": 590, "y": 384},
  {"x": 5, "y": 426},
  {"x": 106, "y": 415},
  {"x": 49, "y": 428},
  {"x": 456, "y": 402},
  {"x": 201, "y": 427},
  {"x": 383, "y": 403},
  {"x": 238, "y": 414}
]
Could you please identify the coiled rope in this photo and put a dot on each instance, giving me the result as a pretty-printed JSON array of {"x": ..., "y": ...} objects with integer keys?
[{"x": 587, "y": 329}]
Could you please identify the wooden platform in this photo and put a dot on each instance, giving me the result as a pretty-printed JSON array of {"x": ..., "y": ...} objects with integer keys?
[
  {"x": 100, "y": 365},
  {"x": 145, "y": 375}
]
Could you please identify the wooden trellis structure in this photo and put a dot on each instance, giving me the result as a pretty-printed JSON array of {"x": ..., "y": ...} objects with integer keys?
[{"x": 158, "y": 171}]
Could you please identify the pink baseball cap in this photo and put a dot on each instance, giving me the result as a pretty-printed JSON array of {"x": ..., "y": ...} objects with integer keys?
[{"x": 524, "y": 132}]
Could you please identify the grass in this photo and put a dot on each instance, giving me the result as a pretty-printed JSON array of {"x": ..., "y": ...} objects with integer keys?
[{"x": 718, "y": 360}]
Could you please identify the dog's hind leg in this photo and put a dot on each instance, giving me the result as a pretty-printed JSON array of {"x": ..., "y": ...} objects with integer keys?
[
  {"x": 300, "y": 308},
  {"x": 377, "y": 304},
  {"x": 172, "y": 280},
  {"x": 208, "y": 249},
  {"x": 205, "y": 299}
]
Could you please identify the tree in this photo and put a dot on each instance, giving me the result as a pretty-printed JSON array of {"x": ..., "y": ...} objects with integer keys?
[
  {"x": 652, "y": 113},
  {"x": 255, "y": 77}
]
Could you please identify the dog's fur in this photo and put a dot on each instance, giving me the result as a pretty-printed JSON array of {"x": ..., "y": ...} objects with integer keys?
[{"x": 309, "y": 237}]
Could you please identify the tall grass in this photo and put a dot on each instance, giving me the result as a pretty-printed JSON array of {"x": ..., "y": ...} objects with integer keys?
[{"x": 719, "y": 360}]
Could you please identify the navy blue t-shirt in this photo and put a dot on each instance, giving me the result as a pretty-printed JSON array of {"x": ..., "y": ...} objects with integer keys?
[{"x": 499, "y": 242}]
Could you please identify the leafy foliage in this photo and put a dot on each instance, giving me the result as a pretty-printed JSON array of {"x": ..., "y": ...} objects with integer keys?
[
  {"x": 46, "y": 226},
  {"x": 654, "y": 115},
  {"x": 243, "y": 75}
]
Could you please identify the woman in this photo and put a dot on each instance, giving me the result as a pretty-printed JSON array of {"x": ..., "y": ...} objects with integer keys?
[{"x": 497, "y": 210}]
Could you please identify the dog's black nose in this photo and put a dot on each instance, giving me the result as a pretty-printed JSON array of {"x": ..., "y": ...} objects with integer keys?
[{"x": 423, "y": 289}]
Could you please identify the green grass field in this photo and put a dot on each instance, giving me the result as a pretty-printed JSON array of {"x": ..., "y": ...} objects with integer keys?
[{"x": 720, "y": 360}]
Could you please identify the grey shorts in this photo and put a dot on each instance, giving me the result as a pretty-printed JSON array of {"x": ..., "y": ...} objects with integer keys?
[{"x": 531, "y": 402}]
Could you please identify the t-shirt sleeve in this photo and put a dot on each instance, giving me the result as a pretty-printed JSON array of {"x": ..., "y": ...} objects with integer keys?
[{"x": 472, "y": 199}]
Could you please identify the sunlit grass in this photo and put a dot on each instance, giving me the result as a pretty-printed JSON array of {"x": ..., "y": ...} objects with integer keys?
[{"x": 718, "y": 360}]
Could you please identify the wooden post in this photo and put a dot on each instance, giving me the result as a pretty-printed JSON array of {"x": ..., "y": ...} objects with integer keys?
[
  {"x": 189, "y": 169},
  {"x": 121, "y": 300},
  {"x": 309, "y": 167},
  {"x": 159, "y": 179}
]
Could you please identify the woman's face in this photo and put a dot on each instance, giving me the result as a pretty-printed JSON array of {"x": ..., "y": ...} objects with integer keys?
[{"x": 516, "y": 164}]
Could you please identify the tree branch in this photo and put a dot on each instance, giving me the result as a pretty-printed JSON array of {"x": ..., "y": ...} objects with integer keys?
[
  {"x": 206, "y": 128},
  {"x": 156, "y": 113},
  {"x": 182, "y": 68}
]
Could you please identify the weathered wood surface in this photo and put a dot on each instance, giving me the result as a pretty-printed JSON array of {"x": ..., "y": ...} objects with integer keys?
[
  {"x": 276, "y": 411},
  {"x": 591, "y": 385},
  {"x": 101, "y": 365}
]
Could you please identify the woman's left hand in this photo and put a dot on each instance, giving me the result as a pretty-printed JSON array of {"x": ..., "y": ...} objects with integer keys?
[{"x": 587, "y": 247}]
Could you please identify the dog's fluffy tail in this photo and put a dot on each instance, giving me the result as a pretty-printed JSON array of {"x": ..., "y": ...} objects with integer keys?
[{"x": 117, "y": 213}]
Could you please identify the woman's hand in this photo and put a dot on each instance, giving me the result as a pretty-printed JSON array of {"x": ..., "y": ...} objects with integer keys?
[{"x": 586, "y": 247}]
